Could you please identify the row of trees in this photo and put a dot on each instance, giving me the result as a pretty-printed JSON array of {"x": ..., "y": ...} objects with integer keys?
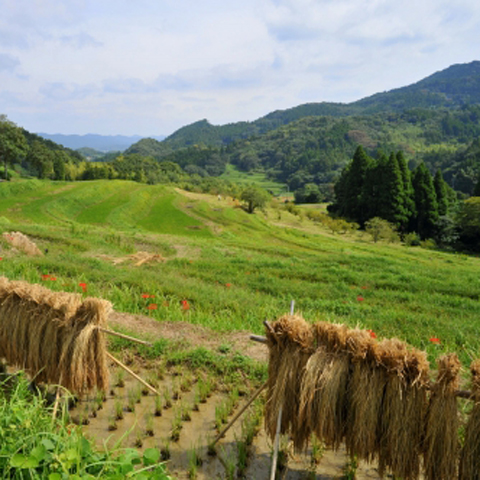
[{"x": 384, "y": 187}]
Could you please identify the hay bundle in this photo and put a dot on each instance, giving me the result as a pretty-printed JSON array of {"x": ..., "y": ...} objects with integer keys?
[
  {"x": 324, "y": 387},
  {"x": 53, "y": 336},
  {"x": 22, "y": 242},
  {"x": 403, "y": 412},
  {"x": 290, "y": 347},
  {"x": 470, "y": 457},
  {"x": 366, "y": 391},
  {"x": 441, "y": 424}
]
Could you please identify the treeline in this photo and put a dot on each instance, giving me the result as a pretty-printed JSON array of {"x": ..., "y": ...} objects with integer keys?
[{"x": 411, "y": 201}]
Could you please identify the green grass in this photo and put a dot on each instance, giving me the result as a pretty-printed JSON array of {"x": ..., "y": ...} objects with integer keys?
[
  {"x": 234, "y": 175},
  {"x": 236, "y": 270}
]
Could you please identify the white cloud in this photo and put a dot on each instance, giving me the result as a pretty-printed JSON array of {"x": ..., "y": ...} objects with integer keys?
[{"x": 117, "y": 66}]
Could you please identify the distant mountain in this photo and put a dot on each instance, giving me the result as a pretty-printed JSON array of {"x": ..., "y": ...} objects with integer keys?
[
  {"x": 449, "y": 89},
  {"x": 101, "y": 143}
]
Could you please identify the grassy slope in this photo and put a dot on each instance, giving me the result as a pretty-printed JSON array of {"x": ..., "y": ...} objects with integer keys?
[{"x": 236, "y": 269}]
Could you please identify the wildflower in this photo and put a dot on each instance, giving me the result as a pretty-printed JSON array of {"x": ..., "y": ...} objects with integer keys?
[
  {"x": 53, "y": 279},
  {"x": 360, "y": 299},
  {"x": 1, "y": 258},
  {"x": 228, "y": 285},
  {"x": 372, "y": 333},
  {"x": 45, "y": 277},
  {"x": 435, "y": 340},
  {"x": 152, "y": 306},
  {"x": 185, "y": 305},
  {"x": 364, "y": 287},
  {"x": 83, "y": 286},
  {"x": 145, "y": 295}
]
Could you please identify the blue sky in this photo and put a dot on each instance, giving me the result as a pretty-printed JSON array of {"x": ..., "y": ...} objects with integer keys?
[{"x": 150, "y": 67}]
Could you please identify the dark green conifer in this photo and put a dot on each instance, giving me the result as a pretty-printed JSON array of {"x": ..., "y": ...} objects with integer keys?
[
  {"x": 441, "y": 192},
  {"x": 408, "y": 192},
  {"x": 425, "y": 201}
]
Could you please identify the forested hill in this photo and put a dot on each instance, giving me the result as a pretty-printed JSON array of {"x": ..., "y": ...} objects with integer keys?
[{"x": 448, "y": 89}]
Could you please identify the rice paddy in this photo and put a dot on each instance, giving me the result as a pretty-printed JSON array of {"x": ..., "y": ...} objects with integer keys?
[{"x": 183, "y": 257}]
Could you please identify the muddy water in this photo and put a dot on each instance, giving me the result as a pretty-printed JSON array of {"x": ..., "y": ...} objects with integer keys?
[{"x": 197, "y": 433}]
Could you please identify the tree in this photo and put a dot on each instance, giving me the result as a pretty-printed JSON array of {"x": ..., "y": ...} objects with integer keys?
[
  {"x": 425, "y": 201},
  {"x": 381, "y": 229},
  {"x": 476, "y": 190},
  {"x": 42, "y": 159},
  {"x": 441, "y": 192},
  {"x": 12, "y": 143},
  {"x": 468, "y": 221},
  {"x": 309, "y": 193},
  {"x": 408, "y": 192},
  {"x": 254, "y": 197}
]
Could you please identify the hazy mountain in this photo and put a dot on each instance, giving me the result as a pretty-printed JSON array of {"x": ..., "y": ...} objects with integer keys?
[{"x": 102, "y": 143}]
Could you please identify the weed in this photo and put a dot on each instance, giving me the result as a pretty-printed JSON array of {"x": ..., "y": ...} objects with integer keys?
[
  {"x": 350, "y": 470},
  {"x": 317, "y": 450}
]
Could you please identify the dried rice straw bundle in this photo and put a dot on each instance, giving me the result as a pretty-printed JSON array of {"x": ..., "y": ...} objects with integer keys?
[
  {"x": 22, "y": 242},
  {"x": 83, "y": 362},
  {"x": 366, "y": 391},
  {"x": 441, "y": 424},
  {"x": 470, "y": 457},
  {"x": 324, "y": 387},
  {"x": 290, "y": 347},
  {"x": 404, "y": 406}
]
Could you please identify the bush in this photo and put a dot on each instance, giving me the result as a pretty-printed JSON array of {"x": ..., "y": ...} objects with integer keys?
[
  {"x": 380, "y": 229},
  {"x": 411, "y": 240}
]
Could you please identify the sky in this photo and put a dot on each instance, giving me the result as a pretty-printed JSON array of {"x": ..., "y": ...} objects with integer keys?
[{"x": 149, "y": 67}]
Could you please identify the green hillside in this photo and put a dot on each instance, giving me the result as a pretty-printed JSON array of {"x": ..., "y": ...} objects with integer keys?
[{"x": 235, "y": 269}]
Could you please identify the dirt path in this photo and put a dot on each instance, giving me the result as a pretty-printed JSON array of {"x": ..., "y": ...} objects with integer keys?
[{"x": 196, "y": 335}]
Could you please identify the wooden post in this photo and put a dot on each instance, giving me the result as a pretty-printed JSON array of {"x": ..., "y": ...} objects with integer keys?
[
  {"x": 126, "y": 337},
  {"x": 235, "y": 418},
  {"x": 134, "y": 375},
  {"x": 276, "y": 446}
]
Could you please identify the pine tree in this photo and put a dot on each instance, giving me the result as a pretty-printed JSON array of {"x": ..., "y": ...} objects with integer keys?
[
  {"x": 476, "y": 190},
  {"x": 425, "y": 201},
  {"x": 355, "y": 206},
  {"x": 408, "y": 192},
  {"x": 391, "y": 192},
  {"x": 441, "y": 192}
]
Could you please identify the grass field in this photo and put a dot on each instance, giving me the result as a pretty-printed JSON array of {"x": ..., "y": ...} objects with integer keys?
[{"x": 233, "y": 269}]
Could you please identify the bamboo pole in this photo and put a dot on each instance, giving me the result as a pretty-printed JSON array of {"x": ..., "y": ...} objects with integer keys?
[
  {"x": 235, "y": 418},
  {"x": 134, "y": 375},
  {"x": 277, "y": 443},
  {"x": 126, "y": 337},
  {"x": 258, "y": 338}
]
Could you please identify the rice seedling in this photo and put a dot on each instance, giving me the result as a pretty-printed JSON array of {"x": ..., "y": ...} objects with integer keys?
[
  {"x": 211, "y": 446},
  {"x": 167, "y": 398},
  {"x": 153, "y": 380},
  {"x": 221, "y": 414},
  {"x": 120, "y": 378},
  {"x": 118, "y": 410},
  {"x": 194, "y": 461},
  {"x": 317, "y": 450},
  {"x": 149, "y": 431},
  {"x": 186, "y": 382},
  {"x": 186, "y": 416},
  {"x": 138, "y": 392},
  {"x": 229, "y": 462},
  {"x": 350, "y": 470},
  {"x": 176, "y": 425},
  {"x": 158, "y": 405},
  {"x": 242, "y": 457},
  {"x": 196, "y": 402},
  {"x": 112, "y": 423},
  {"x": 175, "y": 391},
  {"x": 138, "y": 439},
  {"x": 131, "y": 400},
  {"x": 165, "y": 453}
]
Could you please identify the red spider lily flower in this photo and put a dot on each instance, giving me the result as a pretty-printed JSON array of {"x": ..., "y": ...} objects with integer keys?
[
  {"x": 185, "y": 305},
  {"x": 435, "y": 340},
  {"x": 228, "y": 285},
  {"x": 83, "y": 286},
  {"x": 364, "y": 287},
  {"x": 372, "y": 333},
  {"x": 1, "y": 258},
  {"x": 152, "y": 306},
  {"x": 360, "y": 299},
  {"x": 45, "y": 277},
  {"x": 145, "y": 295},
  {"x": 53, "y": 279}
]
